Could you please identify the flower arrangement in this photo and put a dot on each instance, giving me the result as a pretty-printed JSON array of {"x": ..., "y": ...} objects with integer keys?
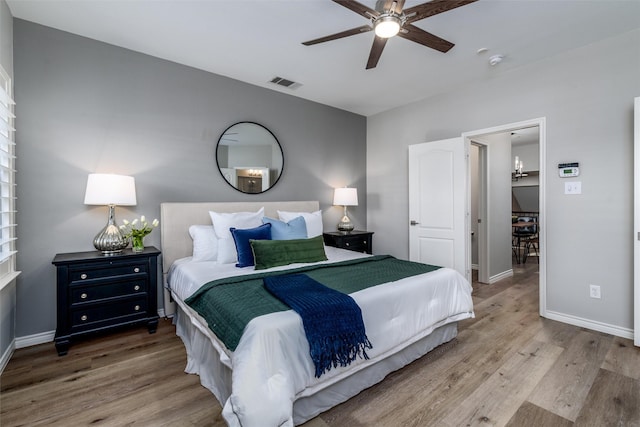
[{"x": 136, "y": 230}]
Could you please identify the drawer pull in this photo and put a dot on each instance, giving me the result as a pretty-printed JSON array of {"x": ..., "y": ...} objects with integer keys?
[
  {"x": 136, "y": 308},
  {"x": 136, "y": 270},
  {"x": 346, "y": 244},
  {"x": 84, "y": 295},
  {"x": 136, "y": 288},
  {"x": 83, "y": 317},
  {"x": 365, "y": 242},
  {"x": 83, "y": 276}
]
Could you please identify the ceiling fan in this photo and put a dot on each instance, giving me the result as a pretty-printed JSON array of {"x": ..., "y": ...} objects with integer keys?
[{"x": 389, "y": 20}]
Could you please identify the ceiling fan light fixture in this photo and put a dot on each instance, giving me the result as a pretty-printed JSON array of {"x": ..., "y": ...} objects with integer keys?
[{"x": 387, "y": 26}]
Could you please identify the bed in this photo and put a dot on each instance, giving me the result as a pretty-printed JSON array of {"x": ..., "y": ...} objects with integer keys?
[{"x": 268, "y": 380}]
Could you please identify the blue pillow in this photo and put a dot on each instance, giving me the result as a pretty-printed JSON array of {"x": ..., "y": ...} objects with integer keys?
[
  {"x": 241, "y": 237},
  {"x": 280, "y": 230}
]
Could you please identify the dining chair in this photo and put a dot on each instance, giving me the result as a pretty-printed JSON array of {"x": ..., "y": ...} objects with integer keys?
[{"x": 521, "y": 236}]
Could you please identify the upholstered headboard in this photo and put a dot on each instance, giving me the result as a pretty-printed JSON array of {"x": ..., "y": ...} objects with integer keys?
[{"x": 176, "y": 218}]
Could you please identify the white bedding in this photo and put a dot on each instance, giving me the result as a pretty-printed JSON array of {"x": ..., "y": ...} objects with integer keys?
[{"x": 271, "y": 366}]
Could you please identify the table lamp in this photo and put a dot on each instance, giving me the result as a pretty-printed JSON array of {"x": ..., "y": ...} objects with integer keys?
[
  {"x": 345, "y": 197},
  {"x": 110, "y": 190}
]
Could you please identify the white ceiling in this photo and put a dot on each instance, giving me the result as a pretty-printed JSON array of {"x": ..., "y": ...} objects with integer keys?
[{"x": 254, "y": 41}]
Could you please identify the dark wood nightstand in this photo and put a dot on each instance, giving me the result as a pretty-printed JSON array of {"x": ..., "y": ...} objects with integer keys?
[
  {"x": 99, "y": 292},
  {"x": 359, "y": 241}
]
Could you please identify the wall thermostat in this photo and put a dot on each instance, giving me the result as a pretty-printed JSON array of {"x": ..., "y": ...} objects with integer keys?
[{"x": 566, "y": 170}]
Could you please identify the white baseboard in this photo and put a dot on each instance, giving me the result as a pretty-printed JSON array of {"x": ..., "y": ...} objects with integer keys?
[
  {"x": 500, "y": 276},
  {"x": 35, "y": 339},
  {"x": 45, "y": 337},
  {"x": 590, "y": 324},
  {"x": 7, "y": 356}
]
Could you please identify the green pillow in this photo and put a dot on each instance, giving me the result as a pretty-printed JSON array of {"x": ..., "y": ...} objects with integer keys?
[{"x": 272, "y": 253}]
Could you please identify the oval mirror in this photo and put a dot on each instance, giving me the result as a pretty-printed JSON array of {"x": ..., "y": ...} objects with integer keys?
[{"x": 249, "y": 157}]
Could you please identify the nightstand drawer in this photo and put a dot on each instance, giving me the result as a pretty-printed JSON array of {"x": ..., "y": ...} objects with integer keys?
[
  {"x": 84, "y": 294},
  {"x": 101, "y": 271},
  {"x": 91, "y": 316},
  {"x": 355, "y": 244},
  {"x": 359, "y": 241}
]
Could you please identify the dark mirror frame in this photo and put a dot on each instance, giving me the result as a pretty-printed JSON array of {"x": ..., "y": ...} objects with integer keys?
[{"x": 248, "y": 176}]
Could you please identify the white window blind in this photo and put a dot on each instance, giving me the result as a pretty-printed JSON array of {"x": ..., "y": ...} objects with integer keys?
[{"x": 7, "y": 182}]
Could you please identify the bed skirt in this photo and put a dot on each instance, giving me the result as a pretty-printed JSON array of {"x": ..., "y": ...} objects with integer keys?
[{"x": 204, "y": 359}]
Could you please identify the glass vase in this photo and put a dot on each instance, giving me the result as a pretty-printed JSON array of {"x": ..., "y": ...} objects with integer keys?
[{"x": 137, "y": 243}]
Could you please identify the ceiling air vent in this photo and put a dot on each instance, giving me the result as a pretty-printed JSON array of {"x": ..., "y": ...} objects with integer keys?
[{"x": 284, "y": 82}]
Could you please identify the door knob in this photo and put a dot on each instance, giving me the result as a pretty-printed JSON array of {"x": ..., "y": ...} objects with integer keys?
[{"x": 414, "y": 222}]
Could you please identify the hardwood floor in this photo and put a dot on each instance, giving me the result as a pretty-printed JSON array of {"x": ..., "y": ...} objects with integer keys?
[{"x": 508, "y": 367}]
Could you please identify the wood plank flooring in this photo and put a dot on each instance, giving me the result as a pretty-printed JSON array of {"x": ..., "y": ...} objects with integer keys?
[{"x": 508, "y": 367}]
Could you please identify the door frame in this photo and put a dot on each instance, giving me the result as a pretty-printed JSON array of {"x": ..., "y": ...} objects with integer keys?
[
  {"x": 636, "y": 220},
  {"x": 542, "y": 229}
]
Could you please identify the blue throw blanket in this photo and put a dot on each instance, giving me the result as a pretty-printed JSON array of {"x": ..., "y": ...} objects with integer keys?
[{"x": 332, "y": 320}]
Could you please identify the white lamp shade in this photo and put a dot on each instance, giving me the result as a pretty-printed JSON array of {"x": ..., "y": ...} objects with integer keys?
[
  {"x": 345, "y": 197},
  {"x": 109, "y": 189}
]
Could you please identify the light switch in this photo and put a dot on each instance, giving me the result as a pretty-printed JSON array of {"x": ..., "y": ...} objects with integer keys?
[{"x": 573, "y": 187}]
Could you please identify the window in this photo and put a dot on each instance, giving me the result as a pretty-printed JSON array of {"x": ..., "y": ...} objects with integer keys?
[{"x": 7, "y": 183}]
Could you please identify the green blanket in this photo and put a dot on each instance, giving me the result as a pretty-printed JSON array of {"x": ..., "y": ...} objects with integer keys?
[{"x": 229, "y": 304}]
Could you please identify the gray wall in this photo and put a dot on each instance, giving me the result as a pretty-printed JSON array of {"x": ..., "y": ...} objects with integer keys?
[
  {"x": 8, "y": 293},
  {"x": 85, "y": 106},
  {"x": 528, "y": 197},
  {"x": 587, "y": 97},
  {"x": 498, "y": 203},
  {"x": 526, "y": 189}
]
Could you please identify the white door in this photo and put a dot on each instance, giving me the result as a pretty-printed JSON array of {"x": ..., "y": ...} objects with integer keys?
[
  {"x": 438, "y": 205},
  {"x": 636, "y": 255}
]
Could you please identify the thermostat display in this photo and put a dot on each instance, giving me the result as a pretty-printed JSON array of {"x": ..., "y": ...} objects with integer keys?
[{"x": 566, "y": 170}]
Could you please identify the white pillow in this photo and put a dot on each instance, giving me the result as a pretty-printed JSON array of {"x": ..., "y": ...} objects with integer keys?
[
  {"x": 313, "y": 221},
  {"x": 222, "y": 222},
  {"x": 205, "y": 243}
]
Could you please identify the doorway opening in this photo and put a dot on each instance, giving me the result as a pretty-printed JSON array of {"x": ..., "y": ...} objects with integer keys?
[{"x": 492, "y": 232}]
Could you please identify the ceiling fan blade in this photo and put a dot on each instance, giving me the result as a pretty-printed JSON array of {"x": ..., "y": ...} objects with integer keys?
[
  {"x": 376, "y": 51},
  {"x": 424, "y": 38},
  {"x": 433, "y": 7},
  {"x": 347, "y": 33},
  {"x": 358, "y": 8}
]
